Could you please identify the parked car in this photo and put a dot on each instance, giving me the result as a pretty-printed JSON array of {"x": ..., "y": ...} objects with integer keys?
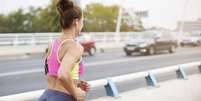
[
  {"x": 88, "y": 44},
  {"x": 151, "y": 42},
  {"x": 191, "y": 40}
]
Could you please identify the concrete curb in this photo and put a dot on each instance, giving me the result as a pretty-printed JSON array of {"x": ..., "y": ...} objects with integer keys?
[
  {"x": 21, "y": 50},
  {"x": 31, "y": 50},
  {"x": 171, "y": 90}
]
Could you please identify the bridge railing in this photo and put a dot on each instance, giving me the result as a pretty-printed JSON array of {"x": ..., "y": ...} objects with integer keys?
[
  {"x": 110, "y": 83},
  {"x": 28, "y": 39},
  {"x": 103, "y": 39}
]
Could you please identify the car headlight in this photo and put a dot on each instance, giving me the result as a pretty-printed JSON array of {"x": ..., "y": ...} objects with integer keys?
[
  {"x": 143, "y": 45},
  {"x": 193, "y": 41}
]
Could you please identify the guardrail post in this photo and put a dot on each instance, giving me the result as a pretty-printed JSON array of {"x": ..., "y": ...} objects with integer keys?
[
  {"x": 117, "y": 38},
  {"x": 111, "y": 89},
  {"x": 16, "y": 41},
  {"x": 181, "y": 74},
  {"x": 104, "y": 39},
  {"x": 151, "y": 80},
  {"x": 127, "y": 37},
  {"x": 33, "y": 40}
]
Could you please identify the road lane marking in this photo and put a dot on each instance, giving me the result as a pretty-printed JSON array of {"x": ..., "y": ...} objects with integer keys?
[
  {"x": 88, "y": 64},
  {"x": 21, "y": 72}
]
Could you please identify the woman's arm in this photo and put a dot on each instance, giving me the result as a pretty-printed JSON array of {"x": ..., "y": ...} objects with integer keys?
[{"x": 68, "y": 61}]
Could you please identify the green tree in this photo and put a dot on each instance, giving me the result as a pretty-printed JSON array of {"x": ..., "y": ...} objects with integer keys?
[
  {"x": 3, "y": 24},
  {"x": 47, "y": 19},
  {"x": 100, "y": 18},
  {"x": 97, "y": 18},
  {"x": 15, "y": 22}
]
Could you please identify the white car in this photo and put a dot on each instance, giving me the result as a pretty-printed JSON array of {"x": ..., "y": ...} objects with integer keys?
[{"x": 191, "y": 39}]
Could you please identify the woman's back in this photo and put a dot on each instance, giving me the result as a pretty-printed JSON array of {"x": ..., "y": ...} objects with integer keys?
[
  {"x": 62, "y": 64},
  {"x": 55, "y": 54}
]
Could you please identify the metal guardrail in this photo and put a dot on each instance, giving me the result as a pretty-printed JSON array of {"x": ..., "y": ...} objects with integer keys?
[
  {"x": 103, "y": 39},
  {"x": 23, "y": 42},
  {"x": 24, "y": 39},
  {"x": 109, "y": 83}
]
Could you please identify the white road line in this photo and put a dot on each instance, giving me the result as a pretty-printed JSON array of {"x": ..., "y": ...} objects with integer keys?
[
  {"x": 21, "y": 72},
  {"x": 41, "y": 70},
  {"x": 88, "y": 64}
]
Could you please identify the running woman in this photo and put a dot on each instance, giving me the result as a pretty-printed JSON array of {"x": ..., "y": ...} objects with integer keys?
[{"x": 63, "y": 64}]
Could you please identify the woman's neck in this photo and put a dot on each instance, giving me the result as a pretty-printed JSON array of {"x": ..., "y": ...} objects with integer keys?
[{"x": 68, "y": 34}]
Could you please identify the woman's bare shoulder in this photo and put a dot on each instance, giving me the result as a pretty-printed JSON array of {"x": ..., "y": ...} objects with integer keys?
[{"x": 73, "y": 47}]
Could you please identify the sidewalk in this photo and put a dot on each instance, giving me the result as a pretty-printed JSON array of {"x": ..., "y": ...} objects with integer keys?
[
  {"x": 21, "y": 50},
  {"x": 173, "y": 90},
  {"x": 38, "y": 49}
]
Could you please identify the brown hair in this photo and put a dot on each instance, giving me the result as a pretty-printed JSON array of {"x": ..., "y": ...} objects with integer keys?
[{"x": 68, "y": 13}]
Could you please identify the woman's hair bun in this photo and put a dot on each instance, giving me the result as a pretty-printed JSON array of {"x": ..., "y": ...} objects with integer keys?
[
  {"x": 64, "y": 5},
  {"x": 68, "y": 12}
]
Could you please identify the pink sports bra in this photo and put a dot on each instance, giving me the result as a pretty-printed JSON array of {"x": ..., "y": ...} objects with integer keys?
[{"x": 52, "y": 62}]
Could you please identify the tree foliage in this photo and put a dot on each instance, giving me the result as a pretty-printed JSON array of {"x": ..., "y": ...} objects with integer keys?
[{"x": 97, "y": 18}]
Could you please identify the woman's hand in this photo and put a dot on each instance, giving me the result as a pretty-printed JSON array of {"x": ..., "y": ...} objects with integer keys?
[{"x": 84, "y": 86}]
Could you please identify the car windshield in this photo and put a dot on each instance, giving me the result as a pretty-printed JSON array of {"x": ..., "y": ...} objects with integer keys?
[
  {"x": 192, "y": 35},
  {"x": 147, "y": 35}
]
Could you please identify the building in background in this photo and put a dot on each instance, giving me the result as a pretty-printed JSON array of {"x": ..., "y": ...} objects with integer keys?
[
  {"x": 189, "y": 26},
  {"x": 134, "y": 18}
]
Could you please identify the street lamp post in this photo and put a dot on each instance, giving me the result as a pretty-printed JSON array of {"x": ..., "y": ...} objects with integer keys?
[
  {"x": 119, "y": 18},
  {"x": 118, "y": 26},
  {"x": 183, "y": 16}
]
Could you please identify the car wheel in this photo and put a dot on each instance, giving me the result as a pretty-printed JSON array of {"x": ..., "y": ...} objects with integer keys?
[
  {"x": 182, "y": 45},
  {"x": 128, "y": 53},
  {"x": 172, "y": 49},
  {"x": 196, "y": 44},
  {"x": 151, "y": 51},
  {"x": 92, "y": 51}
]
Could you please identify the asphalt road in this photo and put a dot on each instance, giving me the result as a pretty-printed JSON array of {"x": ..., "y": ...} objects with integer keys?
[{"x": 25, "y": 73}]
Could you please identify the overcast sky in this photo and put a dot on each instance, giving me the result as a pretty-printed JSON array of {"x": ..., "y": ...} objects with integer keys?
[{"x": 162, "y": 13}]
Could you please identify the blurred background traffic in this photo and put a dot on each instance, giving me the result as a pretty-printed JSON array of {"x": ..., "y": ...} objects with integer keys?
[{"x": 141, "y": 27}]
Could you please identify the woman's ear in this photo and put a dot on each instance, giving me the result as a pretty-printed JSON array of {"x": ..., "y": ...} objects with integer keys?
[{"x": 76, "y": 21}]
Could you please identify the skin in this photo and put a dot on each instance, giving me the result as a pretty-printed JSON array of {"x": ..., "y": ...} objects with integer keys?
[{"x": 69, "y": 54}]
